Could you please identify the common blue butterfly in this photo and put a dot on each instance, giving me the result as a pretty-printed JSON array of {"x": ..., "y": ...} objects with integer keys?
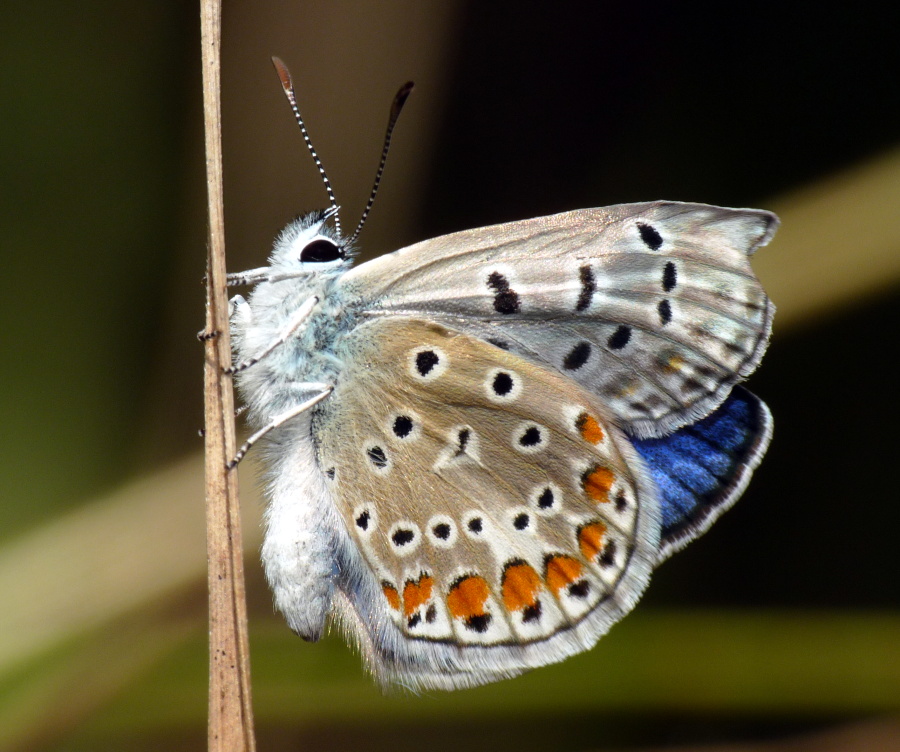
[{"x": 480, "y": 446}]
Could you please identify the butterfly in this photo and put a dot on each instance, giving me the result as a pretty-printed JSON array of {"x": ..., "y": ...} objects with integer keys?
[{"x": 479, "y": 447}]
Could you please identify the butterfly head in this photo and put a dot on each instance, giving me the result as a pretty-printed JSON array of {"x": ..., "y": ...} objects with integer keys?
[{"x": 309, "y": 244}]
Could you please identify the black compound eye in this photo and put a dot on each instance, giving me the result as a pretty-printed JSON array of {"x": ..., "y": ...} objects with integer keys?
[{"x": 320, "y": 251}]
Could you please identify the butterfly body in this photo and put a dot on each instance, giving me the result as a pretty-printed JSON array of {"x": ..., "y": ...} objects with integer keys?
[{"x": 513, "y": 426}]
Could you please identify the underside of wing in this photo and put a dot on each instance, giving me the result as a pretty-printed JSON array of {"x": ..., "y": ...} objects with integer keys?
[
  {"x": 489, "y": 503},
  {"x": 652, "y": 307}
]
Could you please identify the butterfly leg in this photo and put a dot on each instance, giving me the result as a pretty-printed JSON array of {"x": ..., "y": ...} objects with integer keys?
[
  {"x": 249, "y": 277},
  {"x": 296, "y": 321},
  {"x": 277, "y": 421}
]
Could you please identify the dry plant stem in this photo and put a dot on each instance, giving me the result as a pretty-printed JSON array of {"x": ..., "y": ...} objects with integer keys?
[{"x": 230, "y": 709}]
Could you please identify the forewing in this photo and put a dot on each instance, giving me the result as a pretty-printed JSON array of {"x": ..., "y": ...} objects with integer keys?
[
  {"x": 493, "y": 501},
  {"x": 652, "y": 307}
]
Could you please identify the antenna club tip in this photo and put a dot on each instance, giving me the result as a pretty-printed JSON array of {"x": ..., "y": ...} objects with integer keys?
[
  {"x": 401, "y": 97},
  {"x": 283, "y": 73}
]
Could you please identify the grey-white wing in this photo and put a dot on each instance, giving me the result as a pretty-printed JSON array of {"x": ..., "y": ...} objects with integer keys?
[{"x": 653, "y": 307}]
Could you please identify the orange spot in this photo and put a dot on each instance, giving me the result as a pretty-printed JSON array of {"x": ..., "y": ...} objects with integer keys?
[
  {"x": 589, "y": 428},
  {"x": 417, "y": 594},
  {"x": 674, "y": 364},
  {"x": 590, "y": 539},
  {"x": 467, "y": 597},
  {"x": 393, "y": 597},
  {"x": 596, "y": 483},
  {"x": 562, "y": 571},
  {"x": 520, "y": 586}
]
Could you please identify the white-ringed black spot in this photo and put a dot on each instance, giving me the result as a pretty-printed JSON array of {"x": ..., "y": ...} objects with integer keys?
[
  {"x": 413, "y": 621},
  {"x": 621, "y": 502},
  {"x": 377, "y": 457},
  {"x": 588, "y": 288},
  {"x": 577, "y": 356},
  {"x": 619, "y": 338},
  {"x": 506, "y": 300},
  {"x": 650, "y": 236},
  {"x": 430, "y": 613},
  {"x": 402, "y": 537},
  {"x": 546, "y": 499},
  {"x": 475, "y": 525},
  {"x": 403, "y": 426},
  {"x": 502, "y": 385},
  {"x": 426, "y": 361},
  {"x": 442, "y": 531},
  {"x": 362, "y": 520},
  {"x": 669, "y": 277},
  {"x": 521, "y": 521},
  {"x": 665, "y": 312}
]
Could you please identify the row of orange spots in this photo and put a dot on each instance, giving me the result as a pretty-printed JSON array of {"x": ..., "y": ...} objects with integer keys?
[
  {"x": 521, "y": 586},
  {"x": 590, "y": 539},
  {"x": 589, "y": 428},
  {"x": 467, "y": 598},
  {"x": 562, "y": 571},
  {"x": 417, "y": 594},
  {"x": 596, "y": 483}
]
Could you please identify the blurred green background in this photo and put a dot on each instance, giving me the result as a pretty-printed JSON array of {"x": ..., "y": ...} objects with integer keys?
[{"x": 778, "y": 630}]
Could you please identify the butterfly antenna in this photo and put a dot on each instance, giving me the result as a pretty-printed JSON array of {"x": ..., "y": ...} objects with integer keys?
[
  {"x": 396, "y": 108},
  {"x": 288, "y": 85}
]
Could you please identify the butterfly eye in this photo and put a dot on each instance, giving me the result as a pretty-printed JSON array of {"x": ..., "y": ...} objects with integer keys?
[{"x": 320, "y": 251}]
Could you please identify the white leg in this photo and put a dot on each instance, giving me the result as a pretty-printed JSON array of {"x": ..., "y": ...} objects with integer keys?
[
  {"x": 278, "y": 420},
  {"x": 292, "y": 326},
  {"x": 249, "y": 277}
]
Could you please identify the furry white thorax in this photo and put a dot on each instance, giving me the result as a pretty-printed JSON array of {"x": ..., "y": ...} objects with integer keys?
[{"x": 274, "y": 385}]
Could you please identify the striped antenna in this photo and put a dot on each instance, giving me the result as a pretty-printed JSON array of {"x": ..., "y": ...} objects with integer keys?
[
  {"x": 396, "y": 108},
  {"x": 288, "y": 86}
]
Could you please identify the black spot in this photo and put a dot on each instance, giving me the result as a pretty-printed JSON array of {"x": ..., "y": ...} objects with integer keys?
[
  {"x": 321, "y": 250},
  {"x": 413, "y": 620},
  {"x": 532, "y": 612},
  {"x": 608, "y": 555},
  {"x": 362, "y": 522},
  {"x": 506, "y": 300},
  {"x": 499, "y": 343},
  {"x": 531, "y": 437},
  {"x": 588, "y": 288},
  {"x": 619, "y": 338},
  {"x": 425, "y": 361},
  {"x": 621, "y": 502},
  {"x": 736, "y": 348},
  {"x": 650, "y": 236},
  {"x": 521, "y": 521},
  {"x": 478, "y": 623},
  {"x": 377, "y": 456},
  {"x": 577, "y": 356},
  {"x": 670, "y": 277},
  {"x": 330, "y": 473},
  {"x": 503, "y": 384},
  {"x": 475, "y": 525},
  {"x": 401, "y": 537},
  {"x": 692, "y": 385},
  {"x": 665, "y": 312},
  {"x": 430, "y": 613},
  {"x": 403, "y": 426},
  {"x": 546, "y": 499},
  {"x": 441, "y": 530},
  {"x": 463, "y": 439},
  {"x": 580, "y": 589}
]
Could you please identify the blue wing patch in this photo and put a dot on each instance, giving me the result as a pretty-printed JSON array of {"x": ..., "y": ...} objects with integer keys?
[{"x": 703, "y": 468}]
